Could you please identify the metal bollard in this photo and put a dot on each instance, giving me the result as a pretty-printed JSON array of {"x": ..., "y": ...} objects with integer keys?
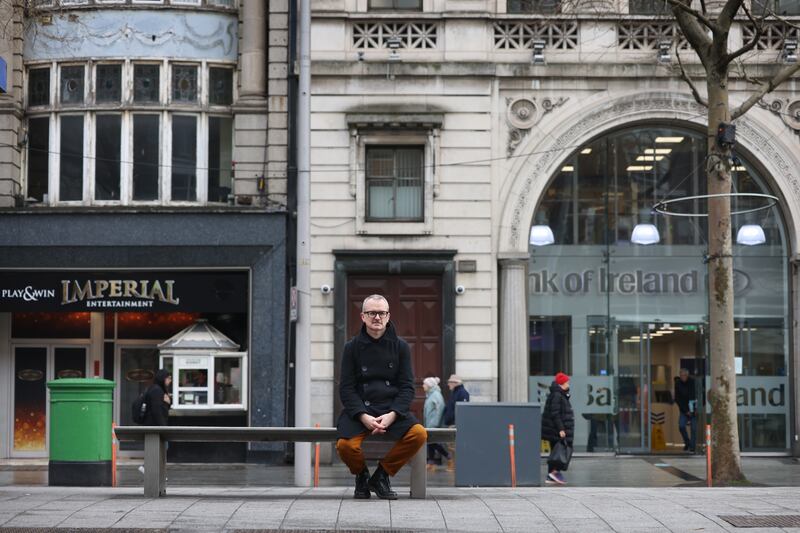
[
  {"x": 512, "y": 455},
  {"x": 708, "y": 455}
]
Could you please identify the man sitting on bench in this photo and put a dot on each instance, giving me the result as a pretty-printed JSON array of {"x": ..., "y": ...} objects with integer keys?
[{"x": 376, "y": 389}]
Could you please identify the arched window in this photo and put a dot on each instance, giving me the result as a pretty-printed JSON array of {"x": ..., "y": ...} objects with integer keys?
[{"x": 618, "y": 294}]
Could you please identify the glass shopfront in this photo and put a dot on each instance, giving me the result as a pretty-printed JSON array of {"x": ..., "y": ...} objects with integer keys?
[
  {"x": 57, "y": 319},
  {"x": 618, "y": 295}
]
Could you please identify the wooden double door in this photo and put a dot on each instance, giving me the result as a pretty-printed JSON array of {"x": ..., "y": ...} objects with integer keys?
[{"x": 415, "y": 304}]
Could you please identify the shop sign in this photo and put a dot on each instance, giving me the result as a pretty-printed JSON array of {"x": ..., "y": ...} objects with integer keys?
[
  {"x": 595, "y": 394},
  {"x": 123, "y": 291},
  {"x": 633, "y": 282}
]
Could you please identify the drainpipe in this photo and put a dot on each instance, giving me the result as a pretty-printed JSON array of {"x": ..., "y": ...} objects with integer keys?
[{"x": 302, "y": 405}]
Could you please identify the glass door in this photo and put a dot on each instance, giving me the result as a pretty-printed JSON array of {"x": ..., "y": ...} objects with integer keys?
[
  {"x": 33, "y": 366},
  {"x": 30, "y": 400},
  {"x": 632, "y": 358},
  {"x": 137, "y": 367}
]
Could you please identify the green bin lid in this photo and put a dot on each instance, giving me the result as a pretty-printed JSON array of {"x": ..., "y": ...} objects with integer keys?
[{"x": 80, "y": 383}]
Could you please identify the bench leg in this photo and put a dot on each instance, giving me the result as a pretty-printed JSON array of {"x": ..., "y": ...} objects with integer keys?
[
  {"x": 419, "y": 474},
  {"x": 155, "y": 466}
]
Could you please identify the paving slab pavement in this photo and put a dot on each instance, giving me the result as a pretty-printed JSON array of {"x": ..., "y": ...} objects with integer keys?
[{"x": 541, "y": 509}]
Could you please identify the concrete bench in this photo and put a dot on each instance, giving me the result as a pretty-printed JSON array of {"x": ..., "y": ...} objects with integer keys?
[{"x": 155, "y": 456}]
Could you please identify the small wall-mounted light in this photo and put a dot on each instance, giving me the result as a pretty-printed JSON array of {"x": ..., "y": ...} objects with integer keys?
[
  {"x": 538, "y": 52},
  {"x": 664, "y": 55},
  {"x": 394, "y": 43},
  {"x": 789, "y": 53}
]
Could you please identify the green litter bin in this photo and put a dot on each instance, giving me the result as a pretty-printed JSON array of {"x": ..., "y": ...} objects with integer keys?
[{"x": 80, "y": 432}]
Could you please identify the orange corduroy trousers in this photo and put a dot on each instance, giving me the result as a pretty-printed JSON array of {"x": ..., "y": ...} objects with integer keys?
[{"x": 403, "y": 450}]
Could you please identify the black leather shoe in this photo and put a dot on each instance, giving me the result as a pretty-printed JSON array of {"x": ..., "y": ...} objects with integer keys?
[
  {"x": 379, "y": 484},
  {"x": 362, "y": 486}
]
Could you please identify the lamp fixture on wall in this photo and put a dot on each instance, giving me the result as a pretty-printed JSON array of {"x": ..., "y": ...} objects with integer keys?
[
  {"x": 538, "y": 52},
  {"x": 664, "y": 55},
  {"x": 393, "y": 43},
  {"x": 789, "y": 53}
]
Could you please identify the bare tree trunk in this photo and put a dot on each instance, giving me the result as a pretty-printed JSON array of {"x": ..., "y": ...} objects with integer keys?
[{"x": 726, "y": 463}]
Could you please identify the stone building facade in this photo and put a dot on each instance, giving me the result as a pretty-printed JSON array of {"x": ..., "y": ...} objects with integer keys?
[
  {"x": 445, "y": 131},
  {"x": 144, "y": 163}
]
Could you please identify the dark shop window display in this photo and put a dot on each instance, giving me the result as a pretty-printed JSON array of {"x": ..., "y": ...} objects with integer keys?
[
  {"x": 624, "y": 314},
  {"x": 50, "y": 325},
  {"x": 30, "y": 399}
]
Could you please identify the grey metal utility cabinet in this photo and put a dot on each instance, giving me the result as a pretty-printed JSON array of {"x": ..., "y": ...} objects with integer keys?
[{"x": 482, "y": 451}]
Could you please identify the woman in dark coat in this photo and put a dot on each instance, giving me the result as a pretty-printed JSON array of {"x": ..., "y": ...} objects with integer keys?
[
  {"x": 558, "y": 422},
  {"x": 158, "y": 399}
]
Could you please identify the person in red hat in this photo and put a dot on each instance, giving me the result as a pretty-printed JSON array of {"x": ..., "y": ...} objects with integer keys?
[{"x": 558, "y": 424}]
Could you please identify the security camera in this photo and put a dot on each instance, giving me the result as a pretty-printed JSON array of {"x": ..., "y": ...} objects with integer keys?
[
  {"x": 326, "y": 289},
  {"x": 460, "y": 289}
]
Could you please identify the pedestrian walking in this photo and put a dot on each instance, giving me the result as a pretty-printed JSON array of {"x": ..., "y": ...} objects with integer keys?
[
  {"x": 457, "y": 394},
  {"x": 558, "y": 428},
  {"x": 376, "y": 389},
  {"x": 157, "y": 401},
  {"x": 434, "y": 411},
  {"x": 686, "y": 399}
]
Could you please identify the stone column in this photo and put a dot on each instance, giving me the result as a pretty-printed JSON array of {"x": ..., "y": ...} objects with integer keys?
[
  {"x": 794, "y": 382},
  {"x": 513, "y": 359},
  {"x": 254, "y": 50}
]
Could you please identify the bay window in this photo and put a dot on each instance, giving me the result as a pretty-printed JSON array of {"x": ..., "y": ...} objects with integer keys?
[{"x": 122, "y": 132}]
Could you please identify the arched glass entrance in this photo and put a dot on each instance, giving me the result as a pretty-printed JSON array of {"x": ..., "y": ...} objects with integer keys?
[{"x": 618, "y": 296}]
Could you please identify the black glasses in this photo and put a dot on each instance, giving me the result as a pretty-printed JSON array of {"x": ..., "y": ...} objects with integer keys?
[{"x": 373, "y": 314}]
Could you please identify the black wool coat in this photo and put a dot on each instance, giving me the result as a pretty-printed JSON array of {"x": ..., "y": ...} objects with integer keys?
[
  {"x": 558, "y": 415},
  {"x": 376, "y": 378},
  {"x": 157, "y": 413}
]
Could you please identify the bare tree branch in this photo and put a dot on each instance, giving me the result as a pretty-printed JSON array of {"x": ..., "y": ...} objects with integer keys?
[
  {"x": 759, "y": 26},
  {"x": 742, "y": 71},
  {"x": 694, "y": 32},
  {"x": 685, "y": 77},
  {"x": 708, "y": 23},
  {"x": 784, "y": 20},
  {"x": 784, "y": 74},
  {"x": 729, "y": 11}
]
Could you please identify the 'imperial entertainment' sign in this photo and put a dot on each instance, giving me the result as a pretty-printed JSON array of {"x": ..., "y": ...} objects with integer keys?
[{"x": 121, "y": 291}]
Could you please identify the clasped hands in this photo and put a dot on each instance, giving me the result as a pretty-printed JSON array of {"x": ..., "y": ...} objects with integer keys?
[{"x": 378, "y": 424}]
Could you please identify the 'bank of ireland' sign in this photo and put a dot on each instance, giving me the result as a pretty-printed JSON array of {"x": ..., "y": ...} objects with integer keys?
[{"x": 602, "y": 281}]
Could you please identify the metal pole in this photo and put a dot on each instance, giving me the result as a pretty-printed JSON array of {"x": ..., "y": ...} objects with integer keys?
[
  {"x": 302, "y": 370},
  {"x": 709, "y": 474}
]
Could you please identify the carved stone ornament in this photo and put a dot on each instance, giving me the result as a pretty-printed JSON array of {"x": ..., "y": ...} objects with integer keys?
[
  {"x": 788, "y": 110},
  {"x": 525, "y": 113}
]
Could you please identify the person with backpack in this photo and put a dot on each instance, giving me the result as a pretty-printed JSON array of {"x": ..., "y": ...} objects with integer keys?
[
  {"x": 152, "y": 406},
  {"x": 558, "y": 427}
]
